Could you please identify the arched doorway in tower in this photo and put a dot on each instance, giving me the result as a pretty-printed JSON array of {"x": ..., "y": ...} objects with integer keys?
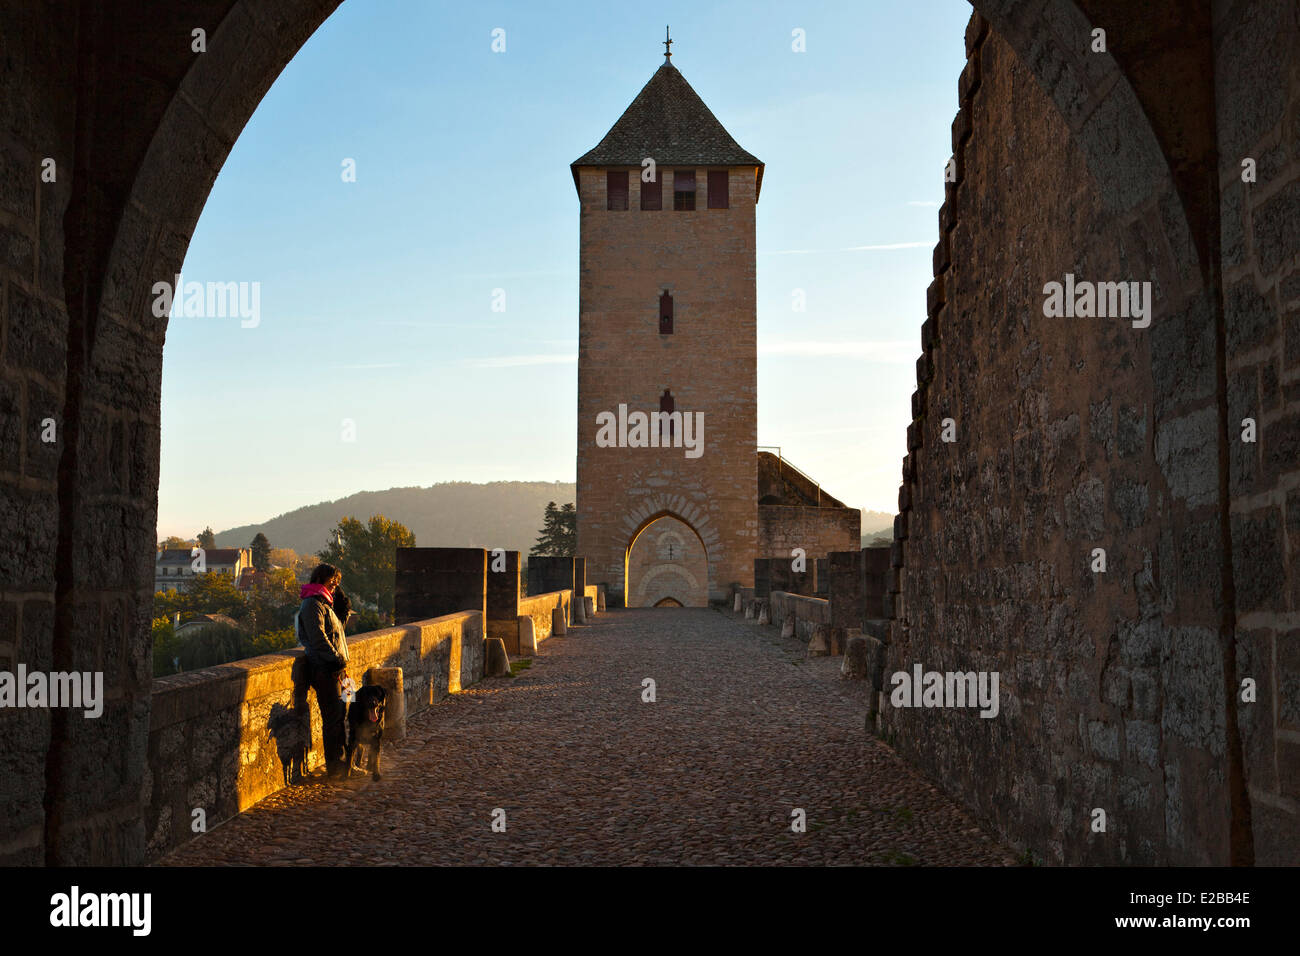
[{"x": 667, "y": 565}]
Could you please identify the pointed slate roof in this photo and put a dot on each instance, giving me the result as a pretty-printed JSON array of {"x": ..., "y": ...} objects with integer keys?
[{"x": 669, "y": 123}]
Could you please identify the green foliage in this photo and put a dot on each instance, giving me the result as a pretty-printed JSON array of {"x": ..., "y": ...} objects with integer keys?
[
  {"x": 203, "y": 594},
  {"x": 268, "y": 642},
  {"x": 174, "y": 543},
  {"x": 367, "y": 556},
  {"x": 363, "y": 621},
  {"x": 207, "y": 539},
  {"x": 271, "y": 600},
  {"x": 261, "y": 552},
  {"x": 166, "y": 647},
  {"x": 209, "y": 646},
  {"x": 283, "y": 557},
  {"x": 265, "y": 615},
  {"x": 559, "y": 534}
]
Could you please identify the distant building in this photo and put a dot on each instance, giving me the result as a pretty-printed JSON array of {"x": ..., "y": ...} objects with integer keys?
[{"x": 174, "y": 567}]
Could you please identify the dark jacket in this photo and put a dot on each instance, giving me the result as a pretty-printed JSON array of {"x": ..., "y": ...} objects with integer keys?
[{"x": 321, "y": 633}]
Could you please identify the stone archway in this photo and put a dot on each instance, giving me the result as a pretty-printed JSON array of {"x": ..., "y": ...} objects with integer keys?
[
  {"x": 143, "y": 131},
  {"x": 666, "y": 560}
]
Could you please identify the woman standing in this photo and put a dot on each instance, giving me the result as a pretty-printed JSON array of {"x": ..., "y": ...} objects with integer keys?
[{"x": 321, "y": 633}]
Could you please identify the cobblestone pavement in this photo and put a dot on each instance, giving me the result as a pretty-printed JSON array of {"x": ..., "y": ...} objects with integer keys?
[{"x": 744, "y": 729}]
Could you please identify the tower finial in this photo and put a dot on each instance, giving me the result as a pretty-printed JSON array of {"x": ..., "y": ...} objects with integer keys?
[{"x": 668, "y": 44}]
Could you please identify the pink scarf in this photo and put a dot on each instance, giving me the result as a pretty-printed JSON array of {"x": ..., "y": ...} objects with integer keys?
[{"x": 317, "y": 590}]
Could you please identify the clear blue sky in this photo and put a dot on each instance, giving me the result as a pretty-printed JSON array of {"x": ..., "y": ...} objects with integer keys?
[{"x": 376, "y": 295}]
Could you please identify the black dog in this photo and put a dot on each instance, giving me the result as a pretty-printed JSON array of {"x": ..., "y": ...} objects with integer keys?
[{"x": 366, "y": 725}]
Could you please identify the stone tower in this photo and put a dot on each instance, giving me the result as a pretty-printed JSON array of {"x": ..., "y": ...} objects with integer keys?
[{"x": 666, "y": 328}]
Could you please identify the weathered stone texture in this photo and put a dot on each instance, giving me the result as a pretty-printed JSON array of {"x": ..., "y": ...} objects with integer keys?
[
  {"x": 817, "y": 531},
  {"x": 1257, "y": 45},
  {"x": 431, "y": 582},
  {"x": 1071, "y": 435}
]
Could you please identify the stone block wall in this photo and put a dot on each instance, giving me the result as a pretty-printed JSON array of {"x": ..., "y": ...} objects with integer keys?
[
  {"x": 34, "y": 327},
  {"x": 1257, "y": 45},
  {"x": 1069, "y": 435},
  {"x": 878, "y": 577},
  {"x": 223, "y": 738},
  {"x": 818, "y": 531},
  {"x": 502, "y": 599},
  {"x": 432, "y": 582},
  {"x": 547, "y": 574},
  {"x": 778, "y": 574},
  {"x": 846, "y": 587}
]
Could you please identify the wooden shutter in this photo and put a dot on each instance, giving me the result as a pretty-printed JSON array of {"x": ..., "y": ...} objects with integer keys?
[
  {"x": 652, "y": 194},
  {"x": 718, "y": 189},
  {"x": 684, "y": 189},
  {"x": 616, "y": 189}
]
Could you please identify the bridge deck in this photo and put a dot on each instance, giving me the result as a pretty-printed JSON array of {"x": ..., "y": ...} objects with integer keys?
[{"x": 744, "y": 729}]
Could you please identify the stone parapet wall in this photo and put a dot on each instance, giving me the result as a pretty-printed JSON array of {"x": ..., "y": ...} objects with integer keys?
[
  {"x": 223, "y": 738},
  {"x": 539, "y": 608},
  {"x": 808, "y": 613}
]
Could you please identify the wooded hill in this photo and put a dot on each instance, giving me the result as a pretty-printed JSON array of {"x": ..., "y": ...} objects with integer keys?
[{"x": 454, "y": 514}]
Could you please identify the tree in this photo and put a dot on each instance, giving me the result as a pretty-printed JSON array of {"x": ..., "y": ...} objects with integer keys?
[
  {"x": 304, "y": 566},
  {"x": 210, "y": 593},
  {"x": 174, "y": 543},
  {"x": 559, "y": 535},
  {"x": 207, "y": 539},
  {"x": 261, "y": 552},
  {"x": 367, "y": 556},
  {"x": 272, "y": 600},
  {"x": 166, "y": 647},
  {"x": 284, "y": 557}
]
